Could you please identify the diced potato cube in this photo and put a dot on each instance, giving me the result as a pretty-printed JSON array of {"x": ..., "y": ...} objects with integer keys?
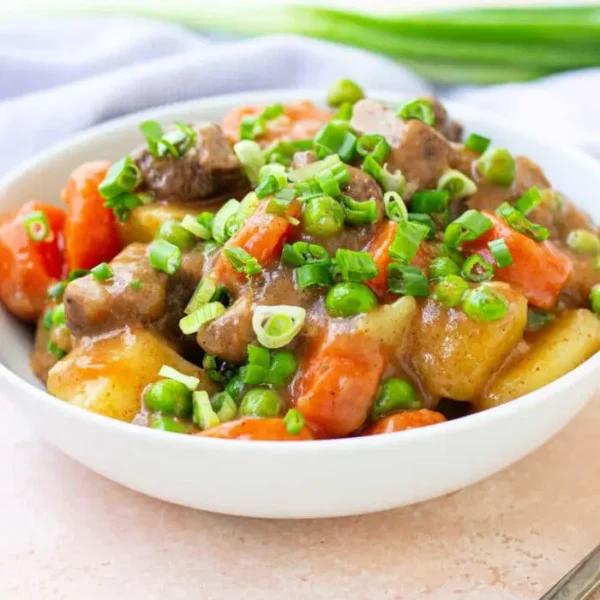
[
  {"x": 108, "y": 374},
  {"x": 560, "y": 347},
  {"x": 455, "y": 355}
]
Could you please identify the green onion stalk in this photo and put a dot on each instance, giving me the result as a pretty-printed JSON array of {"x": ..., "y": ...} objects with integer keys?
[{"x": 454, "y": 46}]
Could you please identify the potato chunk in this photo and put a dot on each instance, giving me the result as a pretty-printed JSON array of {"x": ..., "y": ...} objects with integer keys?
[
  {"x": 455, "y": 355},
  {"x": 563, "y": 345},
  {"x": 107, "y": 374}
]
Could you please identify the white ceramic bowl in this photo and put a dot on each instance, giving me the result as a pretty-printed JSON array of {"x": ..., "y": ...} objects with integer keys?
[{"x": 287, "y": 480}]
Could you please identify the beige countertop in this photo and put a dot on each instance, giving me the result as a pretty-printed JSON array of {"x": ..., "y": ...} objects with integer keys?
[{"x": 67, "y": 533}]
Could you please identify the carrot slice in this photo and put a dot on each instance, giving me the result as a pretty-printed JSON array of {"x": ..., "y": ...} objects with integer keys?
[
  {"x": 262, "y": 236},
  {"x": 300, "y": 120},
  {"x": 27, "y": 268},
  {"x": 539, "y": 269},
  {"x": 269, "y": 430},
  {"x": 338, "y": 382},
  {"x": 91, "y": 233},
  {"x": 405, "y": 420},
  {"x": 379, "y": 248}
]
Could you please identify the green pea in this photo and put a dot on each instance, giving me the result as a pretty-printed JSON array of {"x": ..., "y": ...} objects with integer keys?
[
  {"x": 484, "y": 303},
  {"x": 584, "y": 241},
  {"x": 323, "y": 216},
  {"x": 595, "y": 299},
  {"x": 344, "y": 90},
  {"x": 173, "y": 232},
  {"x": 260, "y": 402},
  {"x": 349, "y": 299},
  {"x": 235, "y": 388},
  {"x": 498, "y": 166},
  {"x": 168, "y": 424},
  {"x": 394, "y": 394},
  {"x": 450, "y": 290},
  {"x": 169, "y": 396}
]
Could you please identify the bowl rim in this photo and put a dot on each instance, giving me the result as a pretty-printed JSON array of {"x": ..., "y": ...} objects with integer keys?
[{"x": 454, "y": 426}]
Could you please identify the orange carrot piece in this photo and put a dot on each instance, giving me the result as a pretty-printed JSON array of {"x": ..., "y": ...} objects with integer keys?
[
  {"x": 338, "y": 382},
  {"x": 268, "y": 430},
  {"x": 379, "y": 249},
  {"x": 91, "y": 233},
  {"x": 405, "y": 420},
  {"x": 27, "y": 268},
  {"x": 539, "y": 269},
  {"x": 262, "y": 236},
  {"x": 300, "y": 120}
]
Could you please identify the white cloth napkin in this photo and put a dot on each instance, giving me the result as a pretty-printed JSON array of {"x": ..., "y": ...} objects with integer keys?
[{"x": 61, "y": 76}]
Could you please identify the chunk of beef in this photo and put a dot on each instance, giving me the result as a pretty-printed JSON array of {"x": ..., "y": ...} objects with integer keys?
[
  {"x": 362, "y": 187},
  {"x": 576, "y": 291},
  {"x": 419, "y": 151},
  {"x": 93, "y": 307},
  {"x": 210, "y": 167},
  {"x": 452, "y": 130}
]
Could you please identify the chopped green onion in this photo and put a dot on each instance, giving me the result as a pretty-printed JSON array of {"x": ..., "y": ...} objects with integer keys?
[
  {"x": 56, "y": 290},
  {"x": 302, "y": 253},
  {"x": 393, "y": 395},
  {"x": 77, "y": 273},
  {"x": 313, "y": 275},
  {"x": 334, "y": 138},
  {"x": 595, "y": 299},
  {"x": 135, "y": 284},
  {"x": 123, "y": 176},
  {"x": 293, "y": 421},
  {"x": 272, "y": 111},
  {"x": 189, "y": 381},
  {"x": 344, "y": 90},
  {"x": 282, "y": 151},
  {"x": 425, "y": 221},
  {"x": 171, "y": 396},
  {"x": 476, "y": 268},
  {"x": 420, "y": 109},
  {"x": 395, "y": 209},
  {"x": 194, "y": 321},
  {"x": 468, "y": 227},
  {"x": 282, "y": 368},
  {"x": 223, "y": 215},
  {"x": 260, "y": 402},
  {"x": 58, "y": 315},
  {"x": 246, "y": 209},
  {"x": 355, "y": 266},
  {"x": 176, "y": 142},
  {"x": 202, "y": 295},
  {"x": 242, "y": 261},
  {"x": 375, "y": 146},
  {"x": 359, "y": 213},
  {"x": 349, "y": 299},
  {"x": 536, "y": 319},
  {"x": 165, "y": 257},
  {"x": 173, "y": 232},
  {"x": 164, "y": 423},
  {"x": 529, "y": 201},
  {"x": 344, "y": 112},
  {"x": 252, "y": 127},
  {"x": 102, "y": 272},
  {"x": 56, "y": 350},
  {"x": 203, "y": 414},
  {"x": 47, "y": 320},
  {"x": 409, "y": 236},
  {"x": 225, "y": 407},
  {"x": 36, "y": 226},
  {"x": 280, "y": 202},
  {"x": 520, "y": 223},
  {"x": 583, "y": 241},
  {"x": 485, "y": 303},
  {"x": 311, "y": 170},
  {"x": 328, "y": 184},
  {"x": 392, "y": 182},
  {"x": 194, "y": 226},
  {"x": 371, "y": 167},
  {"x": 430, "y": 201},
  {"x": 153, "y": 133},
  {"x": 259, "y": 356},
  {"x": 276, "y": 326},
  {"x": 477, "y": 143},
  {"x": 323, "y": 216},
  {"x": 269, "y": 185},
  {"x": 456, "y": 184},
  {"x": 450, "y": 290},
  {"x": 124, "y": 203},
  {"x": 498, "y": 166},
  {"x": 441, "y": 267},
  {"x": 216, "y": 369},
  {"x": 501, "y": 253},
  {"x": 407, "y": 280}
]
